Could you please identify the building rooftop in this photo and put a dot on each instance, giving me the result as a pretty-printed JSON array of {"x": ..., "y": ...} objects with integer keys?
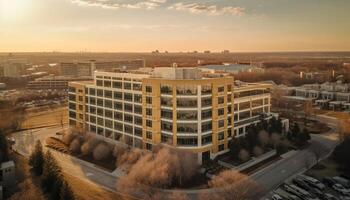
[{"x": 6, "y": 165}]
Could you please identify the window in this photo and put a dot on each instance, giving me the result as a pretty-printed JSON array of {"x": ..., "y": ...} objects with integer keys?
[
  {"x": 221, "y": 112},
  {"x": 92, "y": 91},
  {"x": 221, "y": 135},
  {"x": 165, "y": 101},
  {"x": 128, "y": 129},
  {"x": 221, "y": 100},
  {"x": 138, "y": 131},
  {"x": 167, "y": 139},
  {"x": 206, "y": 139},
  {"x": 92, "y": 101},
  {"x": 127, "y": 86},
  {"x": 108, "y": 104},
  {"x": 118, "y": 116},
  {"x": 185, "y": 103},
  {"x": 149, "y": 89},
  {"x": 187, "y": 128},
  {"x": 186, "y": 90},
  {"x": 138, "y": 120},
  {"x": 72, "y": 97},
  {"x": 166, "y": 89},
  {"x": 93, "y": 119},
  {"x": 221, "y": 147},
  {"x": 118, "y": 95},
  {"x": 187, "y": 141},
  {"x": 206, "y": 114},
  {"x": 206, "y": 102},
  {"x": 117, "y": 85},
  {"x": 108, "y": 94},
  {"x": 187, "y": 115},
  {"x": 72, "y": 114},
  {"x": 137, "y": 87},
  {"x": 221, "y": 123},
  {"x": 118, "y": 126},
  {"x": 71, "y": 89},
  {"x": 149, "y": 135},
  {"x": 99, "y": 83},
  {"x": 148, "y": 146},
  {"x": 92, "y": 110},
  {"x": 100, "y": 93},
  {"x": 100, "y": 111},
  {"x": 149, "y": 111},
  {"x": 207, "y": 126},
  {"x": 221, "y": 89},
  {"x": 109, "y": 124},
  {"x": 149, "y": 123},
  {"x": 167, "y": 126},
  {"x": 118, "y": 106},
  {"x": 128, "y": 97},
  {"x": 137, "y": 98},
  {"x": 128, "y": 118},
  {"x": 100, "y": 121},
  {"x": 137, "y": 109},
  {"x": 149, "y": 100},
  {"x": 128, "y": 107},
  {"x": 100, "y": 102},
  {"x": 206, "y": 89},
  {"x": 108, "y": 114},
  {"x": 167, "y": 114},
  {"x": 107, "y": 83}
]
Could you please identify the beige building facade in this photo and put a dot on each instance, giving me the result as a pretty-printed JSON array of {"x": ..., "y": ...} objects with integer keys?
[{"x": 180, "y": 107}]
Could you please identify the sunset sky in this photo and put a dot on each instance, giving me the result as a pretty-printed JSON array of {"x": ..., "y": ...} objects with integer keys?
[{"x": 174, "y": 25}]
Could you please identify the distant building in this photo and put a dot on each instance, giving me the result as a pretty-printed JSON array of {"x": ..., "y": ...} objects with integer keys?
[
  {"x": 2, "y": 86},
  {"x": 181, "y": 107},
  {"x": 232, "y": 68},
  {"x": 82, "y": 68},
  {"x": 7, "y": 174},
  {"x": 13, "y": 68},
  {"x": 54, "y": 82},
  {"x": 316, "y": 75},
  {"x": 335, "y": 95}
]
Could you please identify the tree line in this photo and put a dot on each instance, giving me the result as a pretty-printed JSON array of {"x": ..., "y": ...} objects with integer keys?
[{"x": 45, "y": 166}]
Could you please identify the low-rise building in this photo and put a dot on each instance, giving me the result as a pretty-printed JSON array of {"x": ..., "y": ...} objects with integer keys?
[
  {"x": 181, "y": 107},
  {"x": 7, "y": 174},
  {"x": 13, "y": 68},
  {"x": 54, "y": 82},
  {"x": 87, "y": 68},
  {"x": 335, "y": 95}
]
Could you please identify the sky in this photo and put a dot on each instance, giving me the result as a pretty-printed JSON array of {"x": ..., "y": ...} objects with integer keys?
[{"x": 174, "y": 25}]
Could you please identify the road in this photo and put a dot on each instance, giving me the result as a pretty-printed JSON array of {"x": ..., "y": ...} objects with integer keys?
[{"x": 277, "y": 173}]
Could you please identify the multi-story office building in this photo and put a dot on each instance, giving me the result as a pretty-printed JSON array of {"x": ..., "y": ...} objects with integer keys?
[
  {"x": 180, "y": 107},
  {"x": 86, "y": 68},
  {"x": 13, "y": 68}
]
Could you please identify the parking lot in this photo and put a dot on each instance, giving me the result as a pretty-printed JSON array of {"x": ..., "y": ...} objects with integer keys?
[{"x": 304, "y": 187}]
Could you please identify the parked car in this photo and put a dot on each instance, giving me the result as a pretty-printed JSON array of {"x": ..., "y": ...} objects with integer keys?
[
  {"x": 312, "y": 181},
  {"x": 304, "y": 185},
  {"x": 328, "y": 181},
  {"x": 341, "y": 189},
  {"x": 276, "y": 197},
  {"x": 293, "y": 189},
  {"x": 344, "y": 198},
  {"x": 342, "y": 181},
  {"x": 328, "y": 196}
]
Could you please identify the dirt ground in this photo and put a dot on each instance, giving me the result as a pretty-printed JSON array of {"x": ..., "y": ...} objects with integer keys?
[{"x": 44, "y": 118}]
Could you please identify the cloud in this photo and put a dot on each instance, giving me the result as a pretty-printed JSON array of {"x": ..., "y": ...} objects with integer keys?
[
  {"x": 197, "y": 8},
  {"x": 116, "y": 4}
]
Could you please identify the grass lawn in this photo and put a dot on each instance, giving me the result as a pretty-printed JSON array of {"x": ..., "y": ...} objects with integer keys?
[{"x": 325, "y": 168}]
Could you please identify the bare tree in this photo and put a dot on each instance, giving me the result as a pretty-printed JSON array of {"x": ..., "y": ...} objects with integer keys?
[
  {"x": 230, "y": 185},
  {"x": 343, "y": 129},
  {"x": 244, "y": 155},
  {"x": 318, "y": 150}
]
